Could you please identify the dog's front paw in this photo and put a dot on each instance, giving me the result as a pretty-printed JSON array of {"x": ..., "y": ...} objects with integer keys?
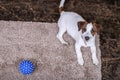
[
  {"x": 65, "y": 43},
  {"x": 81, "y": 61},
  {"x": 96, "y": 62}
]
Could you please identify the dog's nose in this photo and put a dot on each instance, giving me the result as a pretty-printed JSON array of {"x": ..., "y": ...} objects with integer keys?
[{"x": 87, "y": 38}]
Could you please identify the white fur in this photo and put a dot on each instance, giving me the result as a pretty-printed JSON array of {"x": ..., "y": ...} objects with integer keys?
[
  {"x": 62, "y": 3},
  {"x": 68, "y": 22}
]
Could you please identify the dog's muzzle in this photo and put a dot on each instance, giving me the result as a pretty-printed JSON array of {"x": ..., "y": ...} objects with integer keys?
[{"x": 87, "y": 38}]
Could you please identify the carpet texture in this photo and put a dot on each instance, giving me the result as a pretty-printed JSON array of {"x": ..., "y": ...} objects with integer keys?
[{"x": 37, "y": 42}]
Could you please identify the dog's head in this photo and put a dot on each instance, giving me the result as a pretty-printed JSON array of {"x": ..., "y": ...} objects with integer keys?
[{"x": 88, "y": 30}]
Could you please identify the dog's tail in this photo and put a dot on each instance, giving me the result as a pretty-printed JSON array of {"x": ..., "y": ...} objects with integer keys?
[{"x": 61, "y": 5}]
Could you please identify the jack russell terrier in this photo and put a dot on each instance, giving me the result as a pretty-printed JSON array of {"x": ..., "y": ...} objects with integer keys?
[{"x": 81, "y": 31}]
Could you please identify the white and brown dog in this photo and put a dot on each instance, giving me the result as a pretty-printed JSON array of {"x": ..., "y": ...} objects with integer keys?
[{"x": 82, "y": 32}]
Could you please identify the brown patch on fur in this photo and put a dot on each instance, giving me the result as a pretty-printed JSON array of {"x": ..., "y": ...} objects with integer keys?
[
  {"x": 82, "y": 25},
  {"x": 96, "y": 28},
  {"x": 60, "y": 9}
]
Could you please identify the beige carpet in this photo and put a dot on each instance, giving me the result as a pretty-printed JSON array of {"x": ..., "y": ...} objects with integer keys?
[{"x": 37, "y": 41}]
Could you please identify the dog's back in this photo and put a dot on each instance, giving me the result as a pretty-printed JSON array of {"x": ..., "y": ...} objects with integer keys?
[
  {"x": 69, "y": 20},
  {"x": 68, "y": 17}
]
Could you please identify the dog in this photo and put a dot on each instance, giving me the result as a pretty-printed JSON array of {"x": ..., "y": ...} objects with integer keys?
[{"x": 80, "y": 30}]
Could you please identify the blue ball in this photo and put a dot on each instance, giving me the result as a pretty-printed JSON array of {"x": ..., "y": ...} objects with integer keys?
[{"x": 26, "y": 67}]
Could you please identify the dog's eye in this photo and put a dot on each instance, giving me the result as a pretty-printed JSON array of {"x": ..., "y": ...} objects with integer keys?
[
  {"x": 85, "y": 29},
  {"x": 92, "y": 30}
]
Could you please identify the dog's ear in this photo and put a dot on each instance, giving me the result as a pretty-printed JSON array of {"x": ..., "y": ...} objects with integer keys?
[
  {"x": 81, "y": 25},
  {"x": 96, "y": 27}
]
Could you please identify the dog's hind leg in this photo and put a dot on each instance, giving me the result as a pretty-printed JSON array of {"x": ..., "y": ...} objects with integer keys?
[{"x": 61, "y": 31}]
